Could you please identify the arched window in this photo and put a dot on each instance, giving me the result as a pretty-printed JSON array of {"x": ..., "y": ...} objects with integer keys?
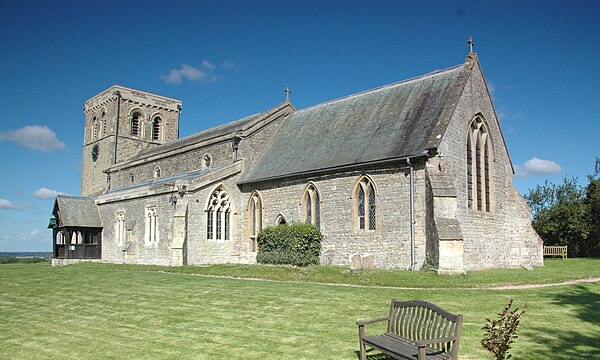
[
  {"x": 255, "y": 214},
  {"x": 218, "y": 216},
  {"x": 94, "y": 128},
  {"x": 156, "y": 173},
  {"x": 366, "y": 204},
  {"x": 479, "y": 150},
  {"x": 151, "y": 225},
  {"x": 311, "y": 203},
  {"x": 135, "y": 124},
  {"x": 280, "y": 220},
  {"x": 103, "y": 122},
  {"x": 254, "y": 218},
  {"x": 156, "y": 125}
]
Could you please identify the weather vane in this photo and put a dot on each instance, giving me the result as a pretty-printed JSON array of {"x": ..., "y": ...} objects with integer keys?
[
  {"x": 471, "y": 43},
  {"x": 287, "y": 92}
]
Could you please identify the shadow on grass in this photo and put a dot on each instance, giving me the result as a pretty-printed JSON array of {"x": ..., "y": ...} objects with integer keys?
[
  {"x": 373, "y": 354},
  {"x": 566, "y": 342}
]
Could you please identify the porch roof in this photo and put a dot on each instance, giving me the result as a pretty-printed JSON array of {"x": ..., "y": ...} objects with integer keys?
[{"x": 74, "y": 211}]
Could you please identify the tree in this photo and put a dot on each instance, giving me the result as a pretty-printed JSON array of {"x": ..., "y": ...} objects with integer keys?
[
  {"x": 592, "y": 202},
  {"x": 559, "y": 215},
  {"x": 567, "y": 214}
]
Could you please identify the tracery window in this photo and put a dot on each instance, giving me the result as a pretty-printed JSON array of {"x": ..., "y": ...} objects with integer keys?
[
  {"x": 479, "y": 150},
  {"x": 255, "y": 218},
  {"x": 311, "y": 203},
  {"x": 156, "y": 128},
  {"x": 151, "y": 225},
  {"x": 366, "y": 204},
  {"x": 218, "y": 216},
  {"x": 135, "y": 124}
]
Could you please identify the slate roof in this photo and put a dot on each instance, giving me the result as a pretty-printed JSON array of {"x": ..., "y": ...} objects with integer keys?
[
  {"x": 225, "y": 129},
  {"x": 390, "y": 122},
  {"x": 77, "y": 211}
]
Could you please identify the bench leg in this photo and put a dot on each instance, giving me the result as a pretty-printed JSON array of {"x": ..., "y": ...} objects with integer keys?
[
  {"x": 361, "y": 344},
  {"x": 422, "y": 354}
]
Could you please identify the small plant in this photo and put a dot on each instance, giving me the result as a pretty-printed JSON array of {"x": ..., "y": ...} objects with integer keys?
[{"x": 501, "y": 333}]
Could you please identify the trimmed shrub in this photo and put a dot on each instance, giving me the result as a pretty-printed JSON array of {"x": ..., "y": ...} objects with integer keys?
[{"x": 295, "y": 244}]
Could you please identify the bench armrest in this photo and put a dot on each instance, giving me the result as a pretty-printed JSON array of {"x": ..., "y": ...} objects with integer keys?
[
  {"x": 425, "y": 342},
  {"x": 366, "y": 322}
]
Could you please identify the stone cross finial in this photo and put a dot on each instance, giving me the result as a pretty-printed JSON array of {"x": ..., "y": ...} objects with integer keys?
[
  {"x": 287, "y": 92},
  {"x": 471, "y": 43}
]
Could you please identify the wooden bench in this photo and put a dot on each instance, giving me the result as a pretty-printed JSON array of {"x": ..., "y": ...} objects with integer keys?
[
  {"x": 556, "y": 251},
  {"x": 415, "y": 330}
]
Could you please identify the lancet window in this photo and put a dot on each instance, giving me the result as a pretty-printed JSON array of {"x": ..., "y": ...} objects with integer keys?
[
  {"x": 151, "y": 225},
  {"x": 366, "y": 204},
  {"x": 311, "y": 202}
]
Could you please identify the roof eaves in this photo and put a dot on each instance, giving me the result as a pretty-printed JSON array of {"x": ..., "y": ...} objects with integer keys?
[{"x": 332, "y": 169}]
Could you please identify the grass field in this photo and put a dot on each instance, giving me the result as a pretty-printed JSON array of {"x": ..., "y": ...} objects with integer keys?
[{"x": 106, "y": 311}]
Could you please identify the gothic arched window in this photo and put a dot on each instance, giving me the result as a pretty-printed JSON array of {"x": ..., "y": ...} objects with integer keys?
[
  {"x": 135, "y": 124},
  {"x": 156, "y": 128},
  {"x": 255, "y": 214},
  {"x": 218, "y": 216},
  {"x": 311, "y": 203},
  {"x": 280, "y": 220},
  {"x": 479, "y": 150},
  {"x": 254, "y": 218},
  {"x": 365, "y": 204}
]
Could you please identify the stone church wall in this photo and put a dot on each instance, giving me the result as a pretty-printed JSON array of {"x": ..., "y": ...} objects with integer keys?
[
  {"x": 136, "y": 250},
  {"x": 389, "y": 244},
  {"x": 501, "y": 237}
]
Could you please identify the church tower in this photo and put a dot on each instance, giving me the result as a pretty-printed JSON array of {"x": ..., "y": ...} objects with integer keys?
[{"x": 119, "y": 123}]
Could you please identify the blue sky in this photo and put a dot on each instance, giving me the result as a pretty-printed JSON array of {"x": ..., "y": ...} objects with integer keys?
[{"x": 229, "y": 59}]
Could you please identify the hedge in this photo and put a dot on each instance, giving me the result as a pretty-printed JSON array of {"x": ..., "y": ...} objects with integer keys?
[{"x": 294, "y": 244}]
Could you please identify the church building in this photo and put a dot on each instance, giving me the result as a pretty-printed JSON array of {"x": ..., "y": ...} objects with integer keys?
[{"x": 411, "y": 174}]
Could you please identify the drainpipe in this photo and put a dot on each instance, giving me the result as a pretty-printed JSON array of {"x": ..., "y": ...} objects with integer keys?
[
  {"x": 117, "y": 93},
  {"x": 412, "y": 214}
]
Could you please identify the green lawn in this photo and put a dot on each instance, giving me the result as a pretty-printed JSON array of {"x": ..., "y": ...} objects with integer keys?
[{"x": 107, "y": 311}]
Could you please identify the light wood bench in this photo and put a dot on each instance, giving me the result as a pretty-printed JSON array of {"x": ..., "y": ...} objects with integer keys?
[
  {"x": 556, "y": 251},
  {"x": 415, "y": 330}
]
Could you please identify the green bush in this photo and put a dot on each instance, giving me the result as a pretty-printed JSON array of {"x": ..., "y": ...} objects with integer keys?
[{"x": 295, "y": 244}]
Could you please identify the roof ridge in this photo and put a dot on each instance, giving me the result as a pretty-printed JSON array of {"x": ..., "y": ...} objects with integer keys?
[{"x": 383, "y": 87}]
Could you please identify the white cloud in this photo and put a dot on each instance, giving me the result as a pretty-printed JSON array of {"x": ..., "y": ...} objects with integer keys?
[
  {"x": 537, "y": 167},
  {"x": 46, "y": 194},
  {"x": 34, "y": 137},
  {"x": 184, "y": 72},
  {"x": 7, "y": 205},
  {"x": 209, "y": 66},
  {"x": 206, "y": 72},
  {"x": 228, "y": 65}
]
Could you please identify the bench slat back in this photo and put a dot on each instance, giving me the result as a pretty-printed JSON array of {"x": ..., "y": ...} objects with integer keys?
[{"x": 420, "y": 320}]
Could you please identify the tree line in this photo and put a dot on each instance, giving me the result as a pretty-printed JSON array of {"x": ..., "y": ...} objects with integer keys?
[{"x": 568, "y": 214}]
